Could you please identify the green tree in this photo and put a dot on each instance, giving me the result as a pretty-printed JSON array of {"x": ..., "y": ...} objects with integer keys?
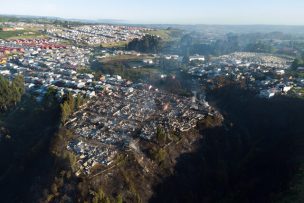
[
  {"x": 65, "y": 112},
  {"x": 69, "y": 106},
  {"x": 50, "y": 99},
  {"x": 149, "y": 43},
  {"x": 18, "y": 82},
  {"x": 119, "y": 199},
  {"x": 79, "y": 101},
  {"x": 71, "y": 102},
  {"x": 4, "y": 93},
  {"x": 159, "y": 155},
  {"x": 10, "y": 93},
  {"x": 161, "y": 136},
  {"x": 99, "y": 197}
]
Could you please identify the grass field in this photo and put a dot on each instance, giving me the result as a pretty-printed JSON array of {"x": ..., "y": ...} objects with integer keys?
[
  {"x": 122, "y": 58},
  {"x": 20, "y": 34},
  {"x": 116, "y": 44},
  {"x": 164, "y": 34}
]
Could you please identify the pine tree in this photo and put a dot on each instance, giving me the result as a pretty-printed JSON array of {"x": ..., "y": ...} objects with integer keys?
[{"x": 65, "y": 112}]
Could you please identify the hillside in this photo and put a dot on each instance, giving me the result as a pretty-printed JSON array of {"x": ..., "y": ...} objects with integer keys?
[{"x": 254, "y": 157}]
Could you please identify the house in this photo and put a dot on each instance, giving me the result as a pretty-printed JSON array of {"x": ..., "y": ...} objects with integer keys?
[
  {"x": 301, "y": 69},
  {"x": 280, "y": 72},
  {"x": 284, "y": 88},
  {"x": 102, "y": 78},
  {"x": 5, "y": 72},
  {"x": 91, "y": 94},
  {"x": 196, "y": 58},
  {"x": 118, "y": 77},
  {"x": 148, "y": 61},
  {"x": 6, "y": 29},
  {"x": 3, "y": 61},
  {"x": 287, "y": 89},
  {"x": 268, "y": 93}
]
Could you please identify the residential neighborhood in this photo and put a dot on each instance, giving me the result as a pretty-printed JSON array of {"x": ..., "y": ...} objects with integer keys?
[
  {"x": 98, "y": 34},
  {"x": 151, "y": 101},
  {"x": 110, "y": 122},
  {"x": 265, "y": 73}
]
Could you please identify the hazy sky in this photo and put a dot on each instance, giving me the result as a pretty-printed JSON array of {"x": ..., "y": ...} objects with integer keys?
[{"x": 287, "y": 12}]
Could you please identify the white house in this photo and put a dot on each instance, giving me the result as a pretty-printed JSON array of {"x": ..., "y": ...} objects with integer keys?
[{"x": 196, "y": 58}]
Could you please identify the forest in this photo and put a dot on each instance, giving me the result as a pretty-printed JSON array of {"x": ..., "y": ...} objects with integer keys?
[
  {"x": 148, "y": 44},
  {"x": 26, "y": 133}
]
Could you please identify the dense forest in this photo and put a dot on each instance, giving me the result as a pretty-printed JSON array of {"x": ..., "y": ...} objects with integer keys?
[
  {"x": 26, "y": 133},
  {"x": 148, "y": 44},
  {"x": 256, "y": 156}
]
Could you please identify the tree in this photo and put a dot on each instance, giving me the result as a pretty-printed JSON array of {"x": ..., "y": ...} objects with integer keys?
[
  {"x": 69, "y": 106},
  {"x": 4, "y": 92},
  {"x": 159, "y": 155},
  {"x": 161, "y": 136},
  {"x": 50, "y": 99},
  {"x": 149, "y": 43},
  {"x": 65, "y": 112},
  {"x": 54, "y": 188},
  {"x": 119, "y": 199},
  {"x": 71, "y": 102},
  {"x": 10, "y": 93},
  {"x": 99, "y": 197},
  {"x": 18, "y": 82}
]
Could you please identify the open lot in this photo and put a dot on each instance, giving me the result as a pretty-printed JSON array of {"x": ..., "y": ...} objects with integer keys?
[{"x": 20, "y": 34}]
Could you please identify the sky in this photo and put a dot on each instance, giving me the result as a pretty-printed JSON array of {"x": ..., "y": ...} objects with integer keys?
[{"x": 233, "y": 12}]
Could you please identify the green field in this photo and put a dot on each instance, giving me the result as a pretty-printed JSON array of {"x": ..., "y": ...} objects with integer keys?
[
  {"x": 164, "y": 34},
  {"x": 167, "y": 34},
  {"x": 19, "y": 34},
  {"x": 8, "y": 19},
  {"x": 124, "y": 58},
  {"x": 113, "y": 45}
]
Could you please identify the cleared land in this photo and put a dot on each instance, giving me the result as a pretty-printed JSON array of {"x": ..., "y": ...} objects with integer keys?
[
  {"x": 116, "y": 44},
  {"x": 164, "y": 34},
  {"x": 124, "y": 58},
  {"x": 20, "y": 34}
]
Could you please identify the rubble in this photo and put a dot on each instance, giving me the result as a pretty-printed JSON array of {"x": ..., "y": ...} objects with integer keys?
[{"x": 110, "y": 122}]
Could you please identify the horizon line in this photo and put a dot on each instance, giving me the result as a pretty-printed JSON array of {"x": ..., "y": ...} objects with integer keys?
[{"x": 122, "y": 21}]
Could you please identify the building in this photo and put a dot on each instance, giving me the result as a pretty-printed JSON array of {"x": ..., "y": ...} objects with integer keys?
[
  {"x": 268, "y": 93},
  {"x": 196, "y": 58},
  {"x": 301, "y": 69}
]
